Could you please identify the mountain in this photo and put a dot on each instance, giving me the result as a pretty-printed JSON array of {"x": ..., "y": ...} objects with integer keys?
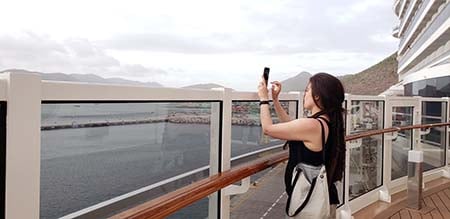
[
  {"x": 374, "y": 80},
  {"x": 207, "y": 86},
  {"x": 296, "y": 83},
  {"x": 88, "y": 78}
]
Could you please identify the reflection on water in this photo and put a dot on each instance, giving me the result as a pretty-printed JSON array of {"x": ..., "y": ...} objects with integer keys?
[{"x": 81, "y": 167}]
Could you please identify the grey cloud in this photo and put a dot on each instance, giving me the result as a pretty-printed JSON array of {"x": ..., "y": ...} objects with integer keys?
[
  {"x": 140, "y": 70},
  {"x": 28, "y": 42},
  {"x": 301, "y": 26},
  {"x": 41, "y": 53},
  {"x": 321, "y": 30},
  {"x": 175, "y": 43}
]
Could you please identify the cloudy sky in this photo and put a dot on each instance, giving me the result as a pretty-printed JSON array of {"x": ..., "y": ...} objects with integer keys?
[{"x": 178, "y": 43}]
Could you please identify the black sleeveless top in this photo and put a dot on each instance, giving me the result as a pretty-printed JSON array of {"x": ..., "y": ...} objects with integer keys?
[{"x": 298, "y": 152}]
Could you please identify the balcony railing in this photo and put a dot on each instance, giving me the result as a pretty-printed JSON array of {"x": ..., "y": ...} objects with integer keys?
[
  {"x": 371, "y": 151},
  {"x": 404, "y": 6},
  {"x": 176, "y": 200},
  {"x": 411, "y": 30},
  {"x": 407, "y": 18},
  {"x": 426, "y": 37},
  {"x": 395, "y": 31},
  {"x": 396, "y": 7}
]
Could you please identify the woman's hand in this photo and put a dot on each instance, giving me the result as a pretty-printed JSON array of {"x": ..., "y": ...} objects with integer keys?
[
  {"x": 263, "y": 93},
  {"x": 276, "y": 89}
]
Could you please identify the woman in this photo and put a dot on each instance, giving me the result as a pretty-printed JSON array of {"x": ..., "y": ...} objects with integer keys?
[{"x": 323, "y": 97}]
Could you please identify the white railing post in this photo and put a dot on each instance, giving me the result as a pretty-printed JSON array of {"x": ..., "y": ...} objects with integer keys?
[
  {"x": 385, "y": 194},
  {"x": 417, "y": 120},
  {"x": 225, "y": 164},
  {"x": 294, "y": 109},
  {"x": 300, "y": 109},
  {"x": 213, "y": 209},
  {"x": 447, "y": 141},
  {"x": 23, "y": 149},
  {"x": 345, "y": 211}
]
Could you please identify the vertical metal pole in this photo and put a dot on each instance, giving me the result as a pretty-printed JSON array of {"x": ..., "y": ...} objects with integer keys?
[
  {"x": 224, "y": 205},
  {"x": 213, "y": 210},
  {"x": 385, "y": 194},
  {"x": 300, "y": 104},
  {"x": 387, "y": 152},
  {"x": 415, "y": 179},
  {"x": 293, "y": 108},
  {"x": 345, "y": 212},
  {"x": 23, "y": 145},
  {"x": 447, "y": 141}
]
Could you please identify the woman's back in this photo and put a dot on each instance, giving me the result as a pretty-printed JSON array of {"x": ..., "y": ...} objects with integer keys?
[{"x": 299, "y": 152}]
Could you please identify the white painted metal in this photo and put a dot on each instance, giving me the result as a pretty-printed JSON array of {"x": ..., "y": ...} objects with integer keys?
[
  {"x": 447, "y": 142},
  {"x": 256, "y": 152},
  {"x": 224, "y": 202},
  {"x": 415, "y": 156},
  {"x": 426, "y": 73},
  {"x": 25, "y": 92},
  {"x": 431, "y": 39},
  {"x": 415, "y": 25},
  {"x": 23, "y": 146},
  {"x": 242, "y": 96},
  {"x": 300, "y": 109},
  {"x": 213, "y": 199},
  {"x": 292, "y": 107},
  {"x": 346, "y": 209},
  {"x": 363, "y": 201},
  {"x": 406, "y": 19},
  {"x": 238, "y": 189},
  {"x": 52, "y": 91}
]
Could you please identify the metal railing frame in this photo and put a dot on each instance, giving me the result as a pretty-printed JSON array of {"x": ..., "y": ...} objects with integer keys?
[{"x": 24, "y": 94}]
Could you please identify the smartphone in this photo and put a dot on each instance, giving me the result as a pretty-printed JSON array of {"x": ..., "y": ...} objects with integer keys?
[{"x": 266, "y": 74}]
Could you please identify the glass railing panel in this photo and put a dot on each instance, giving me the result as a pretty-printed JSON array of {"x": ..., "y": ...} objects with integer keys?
[
  {"x": 366, "y": 154},
  {"x": 246, "y": 132},
  {"x": 93, "y": 152},
  {"x": 266, "y": 198},
  {"x": 401, "y": 116},
  {"x": 433, "y": 144}
]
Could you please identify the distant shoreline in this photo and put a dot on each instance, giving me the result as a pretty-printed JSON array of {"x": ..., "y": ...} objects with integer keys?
[{"x": 170, "y": 119}]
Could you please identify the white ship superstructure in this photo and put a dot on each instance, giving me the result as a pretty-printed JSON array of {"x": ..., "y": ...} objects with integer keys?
[{"x": 424, "y": 48}]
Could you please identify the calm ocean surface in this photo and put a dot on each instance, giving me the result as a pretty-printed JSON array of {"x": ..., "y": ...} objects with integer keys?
[{"x": 82, "y": 167}]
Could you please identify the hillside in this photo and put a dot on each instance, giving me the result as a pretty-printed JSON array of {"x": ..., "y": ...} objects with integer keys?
[
  {"x": 88, "y": 78},
  {"x": 296, "y": 83},
  {"x": 373, "y": 80},
  {"x": 207, "y": 86}
]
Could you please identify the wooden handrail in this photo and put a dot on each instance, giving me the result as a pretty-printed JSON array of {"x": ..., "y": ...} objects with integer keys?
[
  {"x": 170, "y": 203},
  {"x": 167, "y": 204},
  {"x": 393, "y": 129}
]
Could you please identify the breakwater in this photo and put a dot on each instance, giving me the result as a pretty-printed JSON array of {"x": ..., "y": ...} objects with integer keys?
[{"x": 174, "y": 118}]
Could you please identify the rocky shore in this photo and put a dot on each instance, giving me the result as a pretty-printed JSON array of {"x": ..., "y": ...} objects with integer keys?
[{"x": 173, "y": 118}]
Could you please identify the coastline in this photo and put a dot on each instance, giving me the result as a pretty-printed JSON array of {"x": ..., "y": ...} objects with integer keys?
[{"x": 175, "y": 118}]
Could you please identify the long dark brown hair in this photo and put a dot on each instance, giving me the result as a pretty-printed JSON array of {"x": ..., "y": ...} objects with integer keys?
[{"x": 331, "y": 95}]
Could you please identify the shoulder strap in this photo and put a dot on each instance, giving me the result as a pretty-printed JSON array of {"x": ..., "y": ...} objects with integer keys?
[
  {"x": 308, "y": 196},
  {"x": 323, "y": 138},
  {"x": 324, "y": 119}
]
